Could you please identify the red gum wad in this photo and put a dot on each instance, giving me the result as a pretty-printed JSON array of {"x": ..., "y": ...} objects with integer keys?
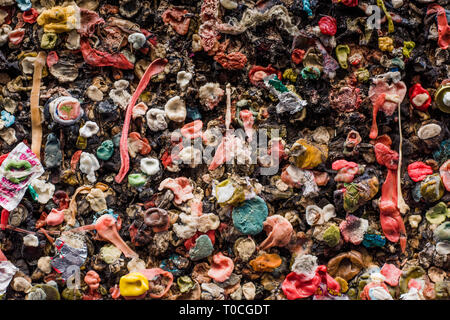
[{"x": 390, "y": 218}]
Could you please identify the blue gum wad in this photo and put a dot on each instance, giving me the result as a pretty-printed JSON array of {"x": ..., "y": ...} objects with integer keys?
[
  {"x": 373, "y": 240},
  {"x": 249, "y": 217},
  {"x": 203, "y": 248}
]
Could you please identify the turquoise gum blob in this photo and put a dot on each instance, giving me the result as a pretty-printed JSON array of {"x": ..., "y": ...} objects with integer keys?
[
  {"x": 249, "y": 217},
  {"x": 373, "y": 240},
  {"x": 106, "y": 149},
  {"x": 203, "y": 248}
]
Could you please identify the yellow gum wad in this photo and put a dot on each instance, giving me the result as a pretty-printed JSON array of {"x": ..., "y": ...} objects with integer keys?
[
  {"x": 310, "y": 157},
  {"x": 133, "y": 284},
  {"x": 60, "y": 19},
  {"x": 386, "y": 44}
]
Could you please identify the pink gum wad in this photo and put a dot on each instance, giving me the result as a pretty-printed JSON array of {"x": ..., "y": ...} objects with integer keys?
[
  {"x": 390, "y": 218},
  {"x": 346, "y": 170},
  {"x": 176, "y": 18},
  {"x": 55, "y": 217},
  {"x": 418, "y": 171},
  {"x": 279, "y": 231},
  {"x": 347, "y": 228},
  {"x": 392, "y": 274},
  {"x": 180, "y": 187},
  {"x": 221, "y": 268}
]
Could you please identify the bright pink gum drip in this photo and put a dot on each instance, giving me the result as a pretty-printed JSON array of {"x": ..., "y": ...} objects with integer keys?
[
  {"x": 221, "y": 268},
  {"x": 155, "y": 67},
  {"x": 376, "y": 106},
  {"x": 279, "y": 231},
  {"x": 248, "y": 120},
  {"x": 107, "y": 229},
  {"x": 390, "y": 218}
]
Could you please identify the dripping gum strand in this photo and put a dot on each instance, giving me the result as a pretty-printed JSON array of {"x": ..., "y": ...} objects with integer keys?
[
  {"x": 155, "y": 67},
  {"x": 36, "y": 127}
]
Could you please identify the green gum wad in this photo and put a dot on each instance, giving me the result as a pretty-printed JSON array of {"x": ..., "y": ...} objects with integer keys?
[
  {"x": 342, "y": 52},
  {"x": 106, "y": 149},
  {"x": 71, "y": 294},
  {"x": 137, "y": 179},
  {"x": 312, "y": 73},
  {"x": 363, "y": 75},
  {"x": 21, "y": 164},
  {"x": 351, "y": 198},
  {"x": 332, "y": 235},
  {"x": 408, "y": 47},
  {"x": 185, "y": 284},
  {"x": 432, "y": 188},
  {"x": 438, "y": 213},
  {"x": 49, "y": 40}
]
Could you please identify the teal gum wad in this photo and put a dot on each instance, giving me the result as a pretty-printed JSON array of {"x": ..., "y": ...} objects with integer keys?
[
  {"x": 202, "y": 249},
  {"x": 373, "y": 240},
  {"x": 249, "y": 217},
  {"x": 106, "y": 150}
]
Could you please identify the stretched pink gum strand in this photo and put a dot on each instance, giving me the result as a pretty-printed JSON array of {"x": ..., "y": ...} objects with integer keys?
[
  {"x": 390, "y": 218},
  {"x": 248, "y": 120},
  {"x": 155, "y": 67},
  {"x": 376, "y": 106},
  {"x": 180, "y": 187},
  {"x": 150, "y": 274},
  {"x": 221, "y": 268},
  {"x": 279, "y": 231},
  {"x": 107, "y": 229}
]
